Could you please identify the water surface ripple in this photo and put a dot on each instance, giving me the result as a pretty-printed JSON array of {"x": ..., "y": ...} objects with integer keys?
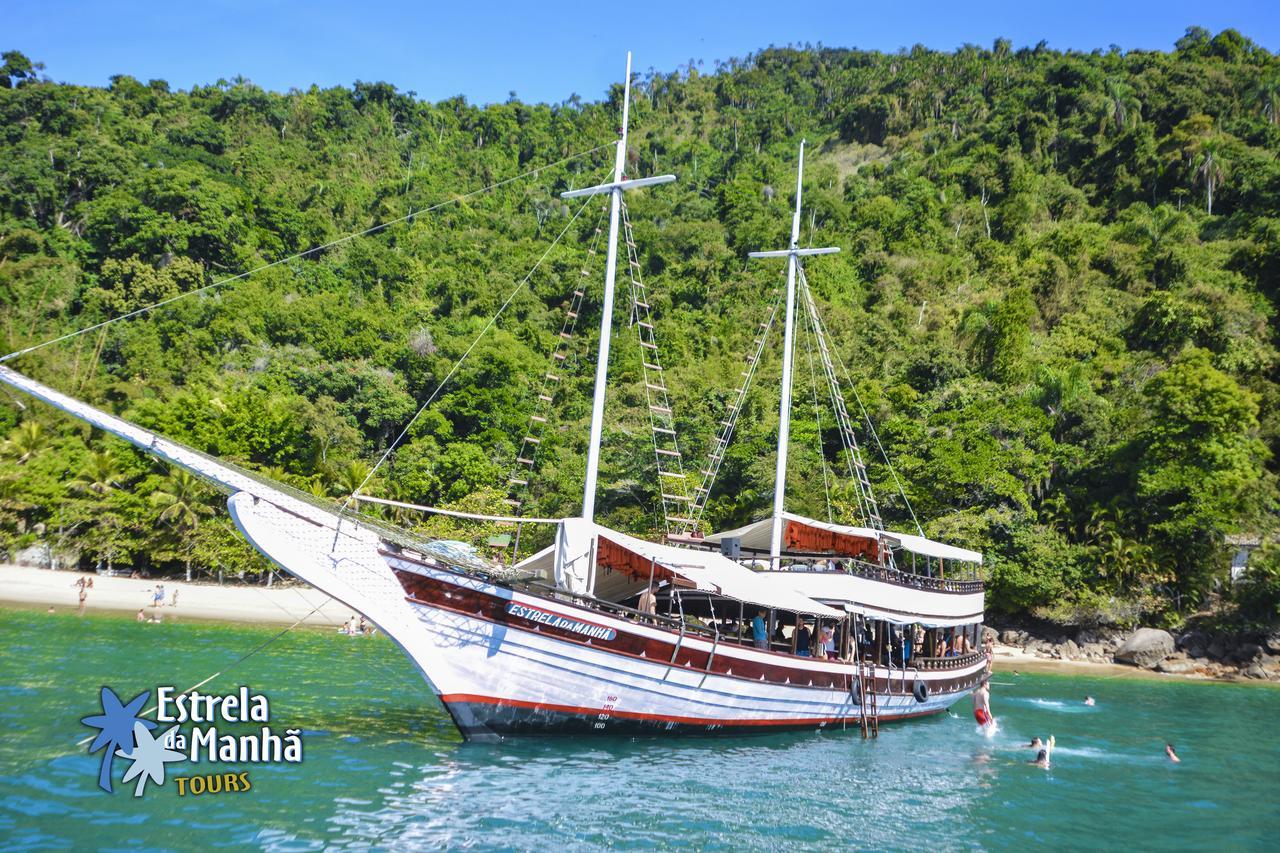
[{"x": 385, "y": 769}]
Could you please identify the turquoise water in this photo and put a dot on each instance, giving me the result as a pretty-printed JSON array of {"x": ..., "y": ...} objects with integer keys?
[{"x": 384, "y": 767}]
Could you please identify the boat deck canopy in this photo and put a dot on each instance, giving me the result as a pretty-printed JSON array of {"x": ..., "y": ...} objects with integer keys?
[
  {"x": 803, "y": 535},
  {"x": 625, "y": 565}
]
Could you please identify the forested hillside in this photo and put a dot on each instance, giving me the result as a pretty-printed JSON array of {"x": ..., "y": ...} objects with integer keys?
[{"x": 1055, "y": 295}]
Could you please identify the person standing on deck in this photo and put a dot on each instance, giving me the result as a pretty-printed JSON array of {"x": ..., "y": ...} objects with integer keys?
[
  {"x": 648, "y": 603},
  {"x": 804, "y": 638},
  {"x": 760, "y": 631}
]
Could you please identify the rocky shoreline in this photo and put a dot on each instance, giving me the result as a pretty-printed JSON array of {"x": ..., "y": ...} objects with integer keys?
[{"x": 1219, "y": 655}]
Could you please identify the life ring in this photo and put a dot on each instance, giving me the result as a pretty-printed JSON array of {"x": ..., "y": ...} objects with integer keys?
[
  {"x": 855, "y": 690},
  {"x": 920, "y": 690}
]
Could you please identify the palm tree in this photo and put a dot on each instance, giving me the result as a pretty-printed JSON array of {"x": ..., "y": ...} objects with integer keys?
[
  {"x": 1266, "y": 95},
  {"x": 1122, "y": 104},
  {"x": 349, "y": 478},
  {"x": 182, "y": 505},
  {"x": 1211, "y": 170},
  {"x": 25, "y": 441},
  {"x": 100, "y": 474}
]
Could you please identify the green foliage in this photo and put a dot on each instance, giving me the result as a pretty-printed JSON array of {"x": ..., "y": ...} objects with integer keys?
[{"x": 1055, "y": 298}]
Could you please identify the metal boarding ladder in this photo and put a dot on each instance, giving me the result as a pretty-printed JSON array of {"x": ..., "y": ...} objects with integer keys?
[
  {"x": 672, "y": 488},
  {"x": 866, "y": 498},
  {"x": 870, "y": 716}
]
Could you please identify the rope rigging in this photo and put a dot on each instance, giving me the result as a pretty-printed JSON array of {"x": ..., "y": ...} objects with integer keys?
[
  {"x": 458, "y": 364},
  {"x": 299, "y": 255},
  {"x": 871, "y": 427},
  {"x": 817, "y": 412},
  {"x": 857, "y": 467},
  {"x": 526, "y": 456},
  {"x": 716, "y": 453}
]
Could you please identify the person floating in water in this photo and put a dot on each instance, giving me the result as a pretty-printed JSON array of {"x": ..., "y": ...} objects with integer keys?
[
  {"x": 982, "y": 705},
  {"x": 1088, "y": 700},
  {"x": 1173, "y": 756},
  {"x": 1044, "y": 757},
  {"x": 1036, "y": 743}
]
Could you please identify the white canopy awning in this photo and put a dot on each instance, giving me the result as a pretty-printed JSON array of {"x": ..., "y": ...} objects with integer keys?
[
  {"x": 706, "y": 570},
  {"x": 757, "y": 536},
  {"x": 929, "y": 548}
]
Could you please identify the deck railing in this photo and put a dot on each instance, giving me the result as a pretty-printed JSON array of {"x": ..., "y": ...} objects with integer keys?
[
  {"x": 959, "y": 662},
  {"x": 871, "y": 571}
]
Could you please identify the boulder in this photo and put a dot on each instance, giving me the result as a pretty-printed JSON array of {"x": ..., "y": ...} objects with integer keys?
[
  {"x": 1009, "y": 637},
  {"x": 1273, "y": 642},
  {"x": 1255, "y": 670},
  {"x": 1193, "y": 640},
  {"x": 1216, "y": 650},
  {"x": 1177, "y": 667},
  {"x": 1246, "y": 652},
  {"x": 1070, "y": 650},
  {"x": 38, "y": 556},
  {"x": 1145, "y": 648}
]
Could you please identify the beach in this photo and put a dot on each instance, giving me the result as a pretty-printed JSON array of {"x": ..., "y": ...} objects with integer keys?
[{"x": 282, "y": 604}]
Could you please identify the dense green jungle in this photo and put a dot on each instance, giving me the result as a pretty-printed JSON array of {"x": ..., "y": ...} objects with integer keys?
[{"x": 1054, "y": 298}]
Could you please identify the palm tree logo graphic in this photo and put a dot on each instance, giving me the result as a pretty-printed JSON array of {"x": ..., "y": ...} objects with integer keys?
[{"x": 116, "y": 725}]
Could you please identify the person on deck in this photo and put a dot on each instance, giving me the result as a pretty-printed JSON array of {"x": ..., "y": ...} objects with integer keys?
[
  {"x": 649, "y": 601},
  {"x": 760, "y": 631},
  {"x": 828, "y": 642},
  {"x": 804, "y": 639}
]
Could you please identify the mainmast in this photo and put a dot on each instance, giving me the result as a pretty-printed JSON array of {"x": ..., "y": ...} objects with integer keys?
[
  {"x": 792, "y": 254},
  {"x": 615, "y": 189}
]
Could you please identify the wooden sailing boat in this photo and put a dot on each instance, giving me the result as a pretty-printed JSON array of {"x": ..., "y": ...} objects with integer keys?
[{"x": 557, "y": 649}]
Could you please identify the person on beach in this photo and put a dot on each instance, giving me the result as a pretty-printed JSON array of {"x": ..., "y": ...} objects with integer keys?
[
  {"x": 173, "y": 602},
  {"x": 142, "y": 617},
  {"x": 1173, "y": 756},
  {"x": 158, "y": 599},
  {"x": 84, "y": 594},
  {"x": 982, "y": 704},
  {"x": 760, "y": 631}
]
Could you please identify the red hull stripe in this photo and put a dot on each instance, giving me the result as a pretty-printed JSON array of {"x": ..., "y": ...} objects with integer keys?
[{"x": 451, "y": 698}]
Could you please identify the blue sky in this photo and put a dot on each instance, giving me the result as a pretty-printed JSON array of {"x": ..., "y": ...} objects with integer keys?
[{"x": 546, "y": 50}]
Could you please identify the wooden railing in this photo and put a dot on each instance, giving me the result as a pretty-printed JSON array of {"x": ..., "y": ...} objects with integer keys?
[
  {"x": 960, "y": 662},
  {"x": 873, "y": 572}
]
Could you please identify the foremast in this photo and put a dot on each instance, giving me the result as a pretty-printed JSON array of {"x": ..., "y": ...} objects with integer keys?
[{"x": 615, "y": 189}]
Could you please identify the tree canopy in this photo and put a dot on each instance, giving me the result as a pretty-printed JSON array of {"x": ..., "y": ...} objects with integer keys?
[{"x": 1055, "y": 298}]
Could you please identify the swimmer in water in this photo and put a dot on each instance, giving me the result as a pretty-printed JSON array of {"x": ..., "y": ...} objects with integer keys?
[
  {"x": 1036, "y": 743},
  {"x": 1088, "y": 700},
  {"x": 1173, "y": 756},
  {"x": 1044, "y": 757}
]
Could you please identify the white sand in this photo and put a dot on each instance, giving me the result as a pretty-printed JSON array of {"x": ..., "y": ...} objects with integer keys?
[{"x": 279, "y": 605}]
